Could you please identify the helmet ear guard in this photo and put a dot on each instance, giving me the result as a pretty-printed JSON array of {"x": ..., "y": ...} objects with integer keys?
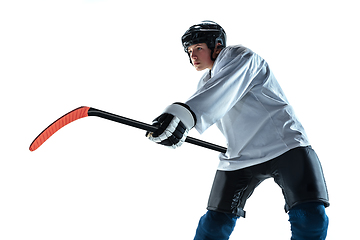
[{"x": 220, "y": 40}]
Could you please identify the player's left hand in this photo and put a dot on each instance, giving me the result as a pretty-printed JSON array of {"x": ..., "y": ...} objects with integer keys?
[{"x": 173, "y": 125}]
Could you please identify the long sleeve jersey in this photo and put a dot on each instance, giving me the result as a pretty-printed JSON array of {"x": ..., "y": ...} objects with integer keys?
[{"x": 243, "y": 98}]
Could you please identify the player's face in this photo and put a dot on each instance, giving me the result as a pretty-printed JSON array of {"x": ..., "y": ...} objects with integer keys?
[{"x": 200, "y": 56}]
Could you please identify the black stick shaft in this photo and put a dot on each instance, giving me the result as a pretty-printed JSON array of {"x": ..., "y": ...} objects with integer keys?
[{"x": 150, "y": 128}]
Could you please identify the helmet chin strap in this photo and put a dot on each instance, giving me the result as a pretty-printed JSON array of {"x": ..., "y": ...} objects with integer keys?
[{"x": 211, "y": 54}]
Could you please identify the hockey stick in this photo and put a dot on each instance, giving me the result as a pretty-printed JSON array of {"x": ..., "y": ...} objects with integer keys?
[{"x": 82, "y": 112}]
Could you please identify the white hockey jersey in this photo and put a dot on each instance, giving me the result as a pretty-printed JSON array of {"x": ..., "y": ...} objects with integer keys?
[{"x": 242, "y": 96}]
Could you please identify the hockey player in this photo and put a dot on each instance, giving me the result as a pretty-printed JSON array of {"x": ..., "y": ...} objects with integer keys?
[{"x": 240, "y": 94}]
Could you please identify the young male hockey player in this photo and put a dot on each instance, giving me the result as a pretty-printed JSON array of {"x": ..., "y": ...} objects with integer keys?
[{"x": 240, "y": 94}]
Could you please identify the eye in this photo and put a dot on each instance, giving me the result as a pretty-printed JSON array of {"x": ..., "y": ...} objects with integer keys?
[{"x": 197, "y": 49}]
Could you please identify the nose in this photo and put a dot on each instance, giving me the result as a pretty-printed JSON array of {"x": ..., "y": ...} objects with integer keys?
[{"x": 193, "y": 56}]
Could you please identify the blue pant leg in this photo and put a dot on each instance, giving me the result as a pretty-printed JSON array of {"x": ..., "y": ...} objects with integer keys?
[
  {"x": 215, "y": 226},
  {"x": 308, "y": 221}
]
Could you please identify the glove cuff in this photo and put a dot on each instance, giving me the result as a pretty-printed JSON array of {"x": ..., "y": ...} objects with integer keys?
[{"x": 184, "y": 113}]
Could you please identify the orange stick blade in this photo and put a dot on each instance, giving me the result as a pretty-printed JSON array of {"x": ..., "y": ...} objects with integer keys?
[{"x": 55, "y": 126}]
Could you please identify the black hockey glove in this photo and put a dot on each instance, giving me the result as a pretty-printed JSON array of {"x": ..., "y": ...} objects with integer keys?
[{"x": 173, "y": 125}]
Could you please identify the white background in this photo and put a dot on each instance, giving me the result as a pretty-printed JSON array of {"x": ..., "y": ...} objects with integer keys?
[{"x": 96, "y": 179}]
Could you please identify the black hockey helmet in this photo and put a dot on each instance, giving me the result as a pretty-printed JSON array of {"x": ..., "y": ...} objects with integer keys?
[{"x": 207, "y": 32}]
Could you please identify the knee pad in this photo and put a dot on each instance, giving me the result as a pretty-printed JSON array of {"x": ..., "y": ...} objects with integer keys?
[
  {"x": 215, "y": 225},
  {"x": 309, "y": 221}
]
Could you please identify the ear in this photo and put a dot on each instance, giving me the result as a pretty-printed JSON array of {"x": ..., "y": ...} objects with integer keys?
[{"x": 217, "y": 50}]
